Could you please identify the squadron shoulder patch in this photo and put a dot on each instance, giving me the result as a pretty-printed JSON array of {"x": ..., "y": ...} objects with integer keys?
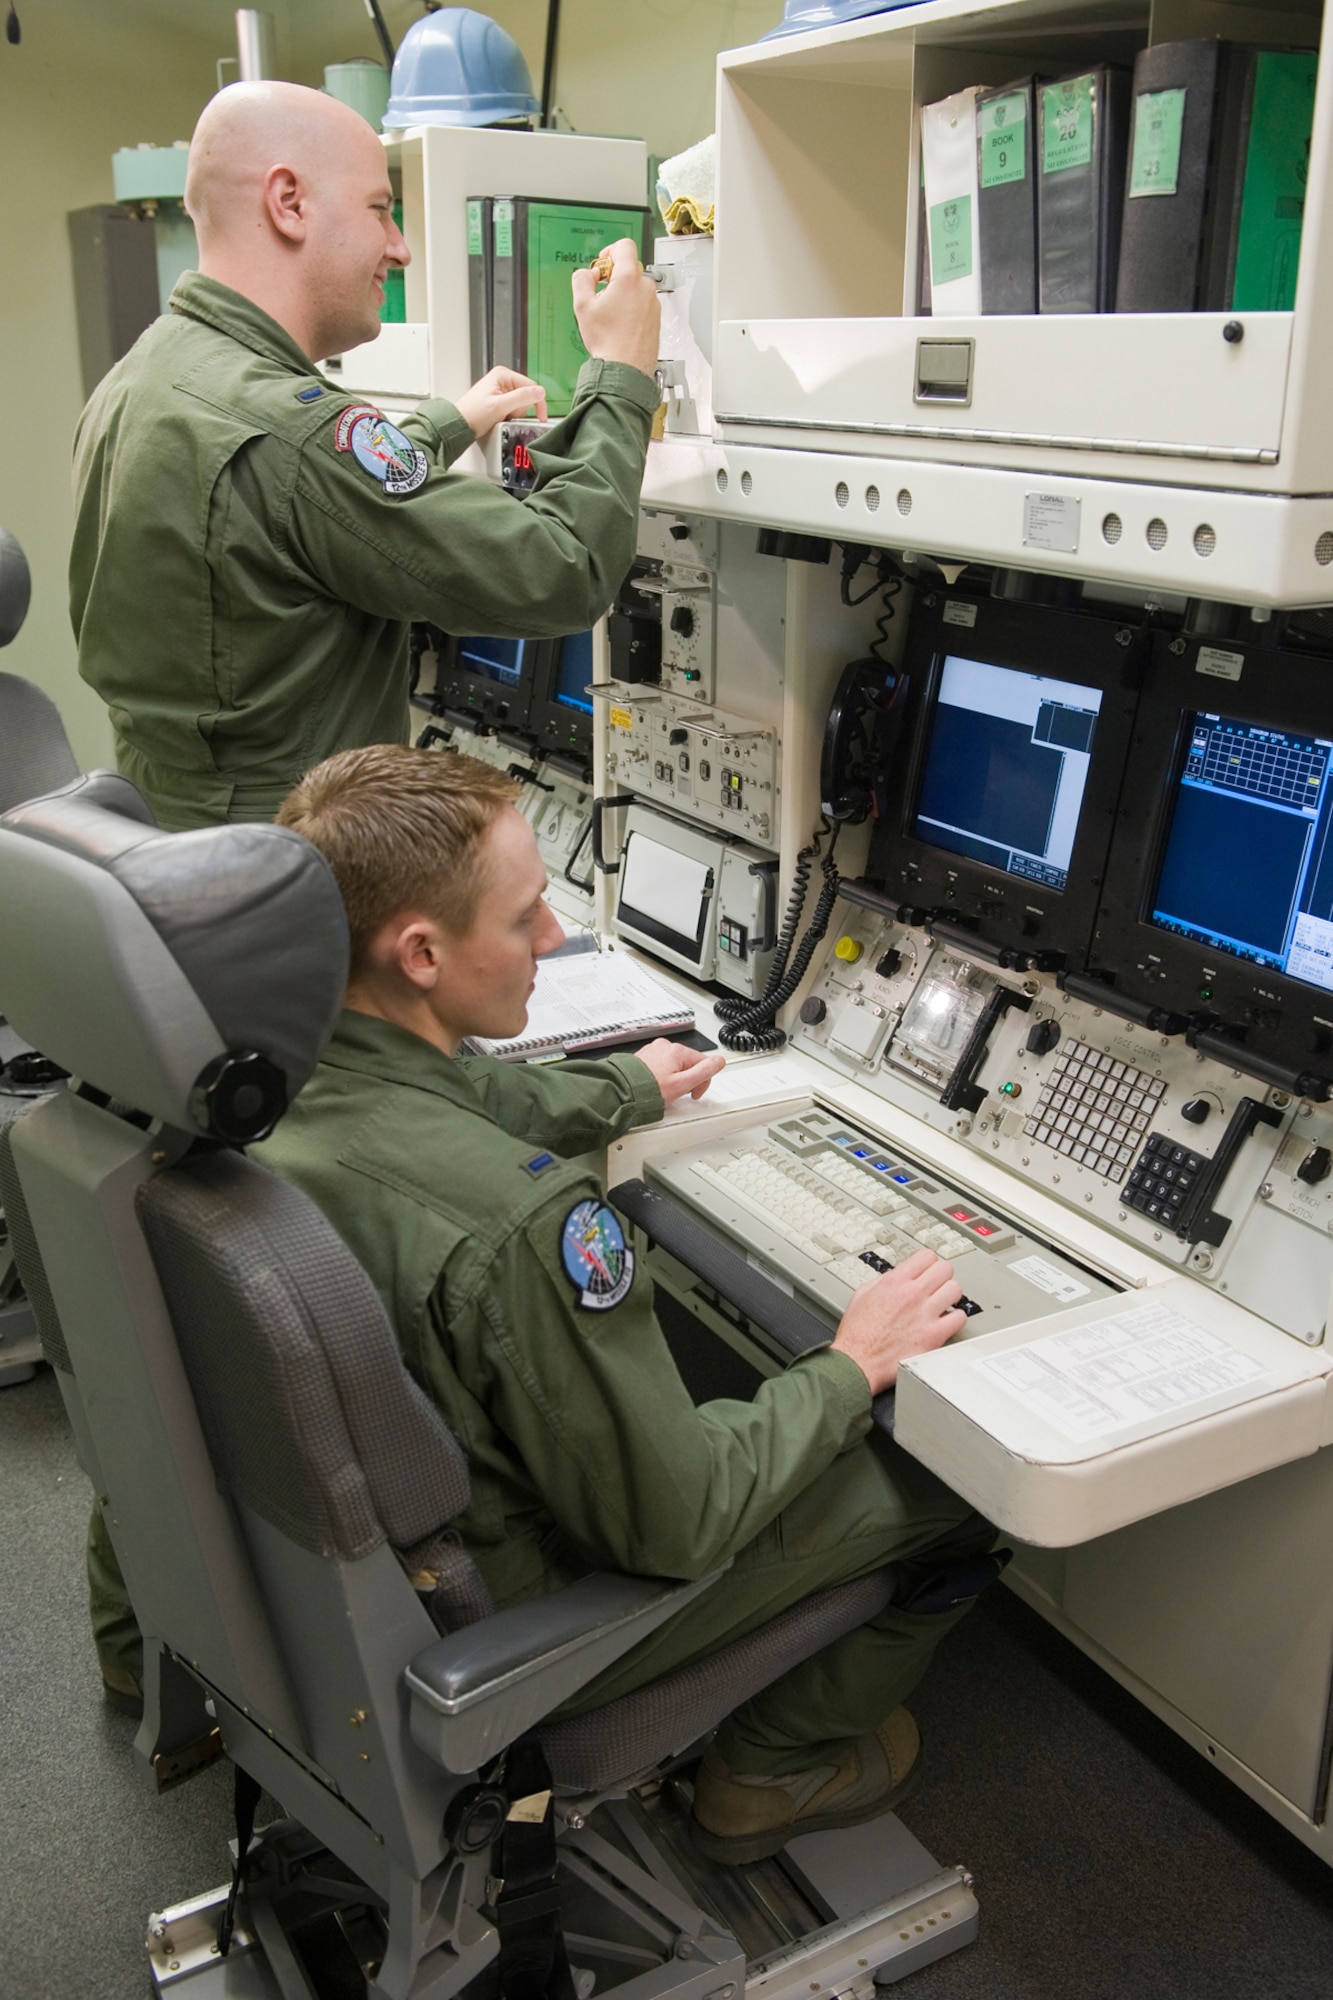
[
  {"x": 597, "y": 1260},
  {"x": 381, "y": 449}
]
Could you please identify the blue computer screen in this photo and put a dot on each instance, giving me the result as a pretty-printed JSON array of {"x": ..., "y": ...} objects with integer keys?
[
  {"x": 1006, "y": 767},
  {"x": 495, "y": 659},
  {"x": 574, "y": 672},
  {"x": 1248, "y": 867}
]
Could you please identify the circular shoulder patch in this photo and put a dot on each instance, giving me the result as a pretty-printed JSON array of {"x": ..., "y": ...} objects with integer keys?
[
  {"x": 382, "y": 450},
  {"x": 597, "y": 1260}
]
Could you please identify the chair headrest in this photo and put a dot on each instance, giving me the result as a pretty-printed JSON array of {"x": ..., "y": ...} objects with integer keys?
[
  {"x": 194, "y": 975},
  {"x": 15, "y": 586}
]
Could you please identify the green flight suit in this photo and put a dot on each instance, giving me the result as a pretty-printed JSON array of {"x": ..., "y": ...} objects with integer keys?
[
  {"x": 247, "y": 556},
  {"x": 522, "y": 1311}
]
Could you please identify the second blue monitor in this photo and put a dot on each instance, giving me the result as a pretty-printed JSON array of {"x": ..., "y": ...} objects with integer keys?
[{"x": 573, "y": 674}]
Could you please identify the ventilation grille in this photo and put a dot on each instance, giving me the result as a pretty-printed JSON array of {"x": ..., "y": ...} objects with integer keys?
[
  {"x": 747, "y": 484},
  {"x": 1323, "y": 550},
  {"x": 1205, "y": 539},
  {"x": 1112, "y": 528},
  {"x": 904, "y": 501},
  {"x": 872, "y": 499},
  {"x": 721, "y": 480},
  {"x": 842, "y": 493},
  {"x": 1157, "y": 532}
]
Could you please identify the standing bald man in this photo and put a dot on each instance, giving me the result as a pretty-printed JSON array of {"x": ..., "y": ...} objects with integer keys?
[{"x": 250, "y": 544}]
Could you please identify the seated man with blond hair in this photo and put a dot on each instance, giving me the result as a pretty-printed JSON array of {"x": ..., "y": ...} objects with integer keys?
[{"x": 455, "y": 1180}]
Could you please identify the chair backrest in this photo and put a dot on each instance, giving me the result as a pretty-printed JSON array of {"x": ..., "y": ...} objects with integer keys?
[
  {"x": 263, "y": 1449},
  {"x": 35, "y": 753}
]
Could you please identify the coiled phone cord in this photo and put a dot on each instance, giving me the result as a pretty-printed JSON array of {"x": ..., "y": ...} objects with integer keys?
[{"x": 750, "y": 1026}]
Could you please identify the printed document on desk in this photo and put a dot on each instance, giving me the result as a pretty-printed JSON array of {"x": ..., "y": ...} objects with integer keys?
[
  {"x": 586, "y": 1002},
  {"x": 1083, "y": 1420}
]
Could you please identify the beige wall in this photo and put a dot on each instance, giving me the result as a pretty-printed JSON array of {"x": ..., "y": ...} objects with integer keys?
[{"x": 91, "y": 76}]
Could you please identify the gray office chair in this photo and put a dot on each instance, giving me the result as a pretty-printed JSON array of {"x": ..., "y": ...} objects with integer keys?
[
  {"x": 281, "y": 1494},
  {"x": 34, "y": 757}
]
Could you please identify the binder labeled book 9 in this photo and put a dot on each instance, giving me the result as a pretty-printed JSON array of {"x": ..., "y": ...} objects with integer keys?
[
  {"x": 1006, "y": 198},
  {"x": 1082, "y": 131},
  {"x": 534, "y": 249}
]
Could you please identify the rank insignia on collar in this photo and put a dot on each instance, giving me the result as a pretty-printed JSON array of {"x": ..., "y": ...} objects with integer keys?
[
  {"x": 309, "y": 395},
  {"x": 597, "y": 1260},
  {"x": 539, "y": 1163},
  {"x": 381, "y": 449}
]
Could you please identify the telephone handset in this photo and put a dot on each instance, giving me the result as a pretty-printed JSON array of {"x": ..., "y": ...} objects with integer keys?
[
  {"x": 862, "y": 730},
  {"x": 859, "y": 738}
]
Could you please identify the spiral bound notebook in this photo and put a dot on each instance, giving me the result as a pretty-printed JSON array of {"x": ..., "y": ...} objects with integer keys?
[{"x": 591, "y": 1000}]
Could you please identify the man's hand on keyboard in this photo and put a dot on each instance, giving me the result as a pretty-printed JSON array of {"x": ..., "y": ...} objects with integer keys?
[
  {"x": 680, "y": 1071},
  {"x": 908, "y": 1310}
]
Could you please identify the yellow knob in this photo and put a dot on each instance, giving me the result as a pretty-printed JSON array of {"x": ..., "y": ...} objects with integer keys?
[{"x": 848, "y": 949}]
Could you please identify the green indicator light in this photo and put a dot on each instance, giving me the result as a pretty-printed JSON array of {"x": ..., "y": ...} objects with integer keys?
[{"x": 1205, "y": 992}]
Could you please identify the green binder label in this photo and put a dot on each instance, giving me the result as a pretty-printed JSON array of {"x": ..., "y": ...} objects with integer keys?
[
  {"x": 504, "y": 228},
  {"x": 1159, "y": 118},
  {"x": 951, "y": 240},
  {"x": 1002, "y": 139},
  {"x": 1066, "y": 124},
  {"x": 474, "y": 229},
  {"x": 1277, "y": 162}
]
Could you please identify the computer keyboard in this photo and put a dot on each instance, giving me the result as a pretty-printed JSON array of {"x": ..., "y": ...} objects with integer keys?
[{"x": 819, "y": 1205}]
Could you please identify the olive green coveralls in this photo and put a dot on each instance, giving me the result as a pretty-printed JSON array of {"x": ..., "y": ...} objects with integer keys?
[
  {"x": 241, "y": 584},
  {"x": 449, "y": 1179},
  {"x": 243, "y": 571}
]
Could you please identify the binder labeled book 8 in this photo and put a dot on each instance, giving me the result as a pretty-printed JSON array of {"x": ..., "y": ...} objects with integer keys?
[
  {"x": 1007, "y": 198},
  {"x": 1082, "y": 133},
  {"x": 589, "y": 1001},
  {"x": 949, "y": 160}
]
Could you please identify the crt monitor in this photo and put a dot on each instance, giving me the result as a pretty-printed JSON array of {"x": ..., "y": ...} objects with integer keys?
[
  {"x": 560, "y": 718},
  {"x": 1000, "y": 809},
  {"x": 490, "y": 679},
  {"x": 1219, "y": 901}
]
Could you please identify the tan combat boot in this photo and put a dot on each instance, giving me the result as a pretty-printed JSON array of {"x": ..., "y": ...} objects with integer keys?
[{"x": 738, "y": 1818}]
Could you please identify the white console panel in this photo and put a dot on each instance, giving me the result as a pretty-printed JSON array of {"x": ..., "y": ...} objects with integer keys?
[
  {"x": 1068, "y": 1421},
  {"x": 1162, "y": 386},
  {"x": 1261, "y": 549}
]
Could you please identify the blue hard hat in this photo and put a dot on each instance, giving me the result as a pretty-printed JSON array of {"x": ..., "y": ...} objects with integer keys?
[
  {"x": 798, "y": 16},
  {"x": 458, "y": 67}
]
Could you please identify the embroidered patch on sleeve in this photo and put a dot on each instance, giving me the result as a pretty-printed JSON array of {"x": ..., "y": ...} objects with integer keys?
[
  {"x": 597, "y": 1260},
  {"x": 348, "y": 419},
  {"x": 381, "y": 449}
]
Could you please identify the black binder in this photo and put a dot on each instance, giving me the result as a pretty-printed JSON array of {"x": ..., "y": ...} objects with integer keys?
[
  {"x": 507, "y": 341},
  {"x": 479, "y": 257},
  {"x": 1179, "y": 113},
  {"x": 1007, "y": 197},
  {"x": 1082, "y": 132}
]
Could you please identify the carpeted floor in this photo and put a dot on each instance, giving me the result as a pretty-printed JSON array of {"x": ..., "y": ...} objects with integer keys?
[{"x": 1111, "y": 1863}]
